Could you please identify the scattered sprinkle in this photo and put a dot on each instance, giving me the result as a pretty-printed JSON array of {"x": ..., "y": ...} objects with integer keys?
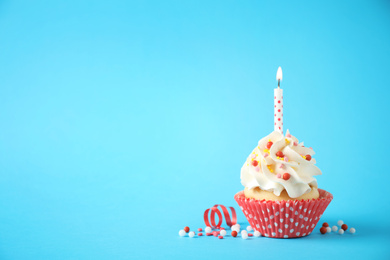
[
  {"x": 335, "y": 228},
  {"x": 187, "y": 229},
  {"x": 286, "y": 176},
  {"x": 191, "y": 234},
  {"x": 249, "y": 228},
  {"x": 340, "y": 223},
  {"x": 308, "y": 157},
  {"x": 269, "y": 144},
  {"x": 278, "y": 175},
  {"x": 250, "y": 234},
  {"x": 199, "y": 229},
  {"x": 256, "y": 233},
  {"x": 344, "y": 227},
  {"x": 220, "y": 237},
  {"x": 200, "y": 234},
  {"x": 352, "y": 230},
  {"x": 222, "y": 232},
  {"x": 207, "y": 229},
  {"x": 325, "y": 224},
  {"x": 328, "y": 230},
  {"x": 323, "y": 230},
  {"x": 182, "y": 233},
  {"x": 341, "y": 231},
  {"x": 285, "y": 158},
  {"x": 234, "y": 233}
]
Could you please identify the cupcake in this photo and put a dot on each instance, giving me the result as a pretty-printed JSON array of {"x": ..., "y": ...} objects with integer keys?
[{"x": 281, "y": 198}]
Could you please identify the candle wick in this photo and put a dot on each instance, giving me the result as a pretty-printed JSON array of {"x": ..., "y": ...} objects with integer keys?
[{"x": 278, "y": 83}]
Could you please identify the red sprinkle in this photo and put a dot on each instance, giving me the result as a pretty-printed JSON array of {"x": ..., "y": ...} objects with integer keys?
[
  {"x": 269, "y": 144},
  {"x": 286, "y": 176},
  {"x": 234, "y": 233},
  {"x": 187, "y": 229},
  {"x": 325, "y": 224},
  {"x": 200, "y": 234},
  {"x": 220, "y": 237},
  {"x": 279, "y": 154},
  {"x": 308, "y": 157},
  {"x": 209, "y": 234},
  {"x": 323, "y": 230},
  {"x": 255, "y": 163},
  {"x": 250, "y": 235},
  {"x": 199, "y": 229},
  {"x": 221, "y": 228},
  {"x": 215, "y": 233},
  {"x": 344, "y": 227}
]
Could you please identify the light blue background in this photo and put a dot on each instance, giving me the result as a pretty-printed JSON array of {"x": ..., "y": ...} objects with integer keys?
[{"x": 121, "y": 122}]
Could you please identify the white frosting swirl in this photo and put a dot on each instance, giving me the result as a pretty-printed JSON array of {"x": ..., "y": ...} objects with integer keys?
[{"x": 269, "y": 171}]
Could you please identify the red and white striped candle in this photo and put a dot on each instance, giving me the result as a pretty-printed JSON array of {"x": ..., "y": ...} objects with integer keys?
[{"x": 278, "y": 103}]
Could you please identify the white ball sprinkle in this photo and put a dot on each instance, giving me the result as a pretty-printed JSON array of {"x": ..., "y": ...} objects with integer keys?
[
  {"x": 335, "y": 228},
  {"x": 352, "y": 230},
  {"x": 244, "y": 232},
  {"x": 340, "y": 223},
  {"x": 236, "y": 228},
  {"x": 191, "y": 234},
  {"x": 256, "y": 233},
  {"x": 328, "y": 230},
  {"x": 238, "y": 225},
  {"x": 182, "y": 233},
  {"x": 341, "y": 231},
  {"x": 249, "y": 228},
  {"x": 222, "y": 232},
  {"x": 244, "y": 235},
  {"x": 207, "y": 229}
]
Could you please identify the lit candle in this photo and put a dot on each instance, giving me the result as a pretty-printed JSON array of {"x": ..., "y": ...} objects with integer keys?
[{"x": 278, "y": 103}]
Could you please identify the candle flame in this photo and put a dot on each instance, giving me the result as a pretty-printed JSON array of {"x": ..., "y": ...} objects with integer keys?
[{"x": 279, "y": 74}]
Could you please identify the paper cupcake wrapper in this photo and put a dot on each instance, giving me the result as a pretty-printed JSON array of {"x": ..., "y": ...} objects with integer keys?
[{"x": 284, "y": 219}]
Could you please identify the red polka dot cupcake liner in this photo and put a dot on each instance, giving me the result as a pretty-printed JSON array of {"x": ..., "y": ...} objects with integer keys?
[{"x": 284, "y": 219}]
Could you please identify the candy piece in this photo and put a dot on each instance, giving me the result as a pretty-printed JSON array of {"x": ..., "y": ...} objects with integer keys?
[
  {"x": 209, "y": 234},
  {"x": 325, "y": 224},
  {"x": 207, "y": 229},
  {"x": 187, "y": 229},
  {"x": 257, "y": 168},
  {"x": 250, "y": 234},
  {"x": 279, "y": 154},
  {"x": 288, "y": 135},
  {"x": 234, "y": 233},
  {"x": 285, "y": 158},
  {"x": 222, "y": 232},
  {"x": 249, "y": 228},
  {"x": 344, "y": 227},
  {"x": 199, "y": 229},
  {"x": 335, "y": 228},
  {"x": 278, "y": 175},
  {"x": 244, "y": 232},
  {"x": 215, "y": 233},
  {"x": 191, "y": 234},
  {"x": 340, "y": 223},
  {"x": 295, "y": 144},
  {"x": 352, "y": 230},
  {"x": 238, "y": 225},
  {"x": 308, "y": 157},
  {"x": 256, "y": 233},
  {"x": 323, "y": 230},
  {"x": 255, "y": 163},
  {"x": 265, "y": 155},
  {"x": 236, "y": 228},
  {"x": 182, "y": 233},
  {"x": 341, "y": 231},
  {"x": 244, "y": 235},
  {"x": 328, "y": 230},
  {"x": 286, "y": 176},
  {"x": 220, "y": 237},
  {"x": 269, "y": 144},
  {"x": 200, "y": 234}
]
